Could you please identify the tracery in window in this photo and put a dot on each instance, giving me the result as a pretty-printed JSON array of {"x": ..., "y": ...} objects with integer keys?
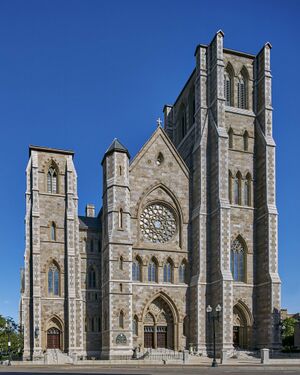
[
  {"x": 157, "y": 223},
  {"x": 168, "y": 272},
  {"x": 52, "y": 180},
  {"x": 228, "y": 85},
  {"x": 242, "y": 88},
  {"x": 182, "y": 272},
  {"x": 152, "y": 270},
  {"x": 238, "y": 260},
  {"x": 237, "y": 188},
  {"x": 247, "y": 190},
  {"x": 136, "y": 270},
  {"x": 53, "y": 280}
]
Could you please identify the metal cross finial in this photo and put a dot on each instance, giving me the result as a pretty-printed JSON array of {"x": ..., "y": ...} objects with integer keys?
[{"x": 159, "y": 122}]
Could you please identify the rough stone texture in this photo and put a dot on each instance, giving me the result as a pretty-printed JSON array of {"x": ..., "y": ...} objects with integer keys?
[{"x": 189, "y": 169}]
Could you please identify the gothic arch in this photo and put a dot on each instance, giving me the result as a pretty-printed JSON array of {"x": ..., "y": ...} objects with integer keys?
[
  {"x": 242, "y": 325},
  {"x": 168, "y": 300},
  {"x": 54, "y": 325},
  {"x": 160, "y": 323},
  {"x": 174, "y": 206}
]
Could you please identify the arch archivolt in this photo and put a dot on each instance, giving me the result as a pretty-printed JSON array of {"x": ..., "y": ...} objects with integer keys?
[
  {"x": 52, "y": 162},
  {"x": 242, "y": 322},
  {"x": 53, "y": 260}
]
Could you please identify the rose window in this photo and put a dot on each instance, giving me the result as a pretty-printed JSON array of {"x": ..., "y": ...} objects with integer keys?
[{"x": 157, "y": 223}]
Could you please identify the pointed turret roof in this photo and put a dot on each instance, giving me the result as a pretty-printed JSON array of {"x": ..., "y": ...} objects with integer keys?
[{"x": 116, "y": 146}]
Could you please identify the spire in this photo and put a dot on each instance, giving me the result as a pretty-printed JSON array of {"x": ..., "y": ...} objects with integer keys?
[{"x": 116, "y": 146}]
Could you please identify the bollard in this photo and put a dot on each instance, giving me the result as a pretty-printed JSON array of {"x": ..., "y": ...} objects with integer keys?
[
  {"x": 265, "y": 356},
  {"x": 224, "y": 356}
]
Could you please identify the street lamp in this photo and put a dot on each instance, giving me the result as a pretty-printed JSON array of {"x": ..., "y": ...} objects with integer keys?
[{"x": 213, "y": 316}]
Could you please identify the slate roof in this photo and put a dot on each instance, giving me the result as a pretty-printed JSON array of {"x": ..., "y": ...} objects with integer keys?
[
  {"x": 86, "y": 222},
  {"x": 116, "y": 146}
]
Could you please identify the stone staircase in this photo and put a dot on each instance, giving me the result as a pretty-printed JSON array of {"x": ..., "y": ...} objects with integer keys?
[{"x": 56, "y": 357}]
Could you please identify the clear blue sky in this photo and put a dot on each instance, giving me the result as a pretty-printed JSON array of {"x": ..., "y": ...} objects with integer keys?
[{"x": 76, "y": 74}]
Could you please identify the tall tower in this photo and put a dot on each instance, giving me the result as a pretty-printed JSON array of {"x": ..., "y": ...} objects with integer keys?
[
  {"x": 221, "y": 124},
  {"x": 116, "y": 254},
  {"x": 51, "y": 299}
]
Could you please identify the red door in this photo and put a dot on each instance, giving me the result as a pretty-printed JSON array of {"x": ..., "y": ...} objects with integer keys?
[{"x": 53, "y": 338}]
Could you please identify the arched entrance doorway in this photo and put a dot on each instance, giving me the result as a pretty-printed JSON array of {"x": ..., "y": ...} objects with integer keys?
[
  {"x": 54, "y": 334},
  {"x": 242, "y": 322},
  {"x": 159, "y": 325},
  {"x": 53, "y": 338}
]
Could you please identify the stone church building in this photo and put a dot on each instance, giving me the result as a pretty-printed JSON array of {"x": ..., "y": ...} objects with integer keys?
[{"x": 189, "y": 222}]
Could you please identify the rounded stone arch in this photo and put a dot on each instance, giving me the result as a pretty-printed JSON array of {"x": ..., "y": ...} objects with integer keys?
[{"x": 175, "y": 207}]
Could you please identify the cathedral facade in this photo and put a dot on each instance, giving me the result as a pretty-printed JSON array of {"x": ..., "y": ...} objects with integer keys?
[{"x": 186, "y": 225}]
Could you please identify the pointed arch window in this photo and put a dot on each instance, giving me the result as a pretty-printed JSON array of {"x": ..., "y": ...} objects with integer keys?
[
  {"x": 237, "y": 189},
  {"x": 121, "y": 218},
  {"x": 92, "y": 245},
  {"x": 136, "y": 270},
  {"x": 230, "y": 138},
  {"x": 238, "y": 260},
  {"x": 92, "y": 278},
  {"x": 135, "y": 325},
  {"x": 53, "y": 280},
  {"x": 182, "y": 272},
  {"x": 121, "y": 263},
  {"x": 247, "y": 190},
  {"x": 168, "y": 272},
  {"x": 242, "y": 86},
  {"x": 152, "y": 271},
  {"x": 228, "y": 89},
  {"x": 52, "y": 180},
  {"x": 53, "y": 232},
  {"x": 246, "y": 140},
  {"x": 230, "y": 179},
  {"x": 121, "y": 319}
]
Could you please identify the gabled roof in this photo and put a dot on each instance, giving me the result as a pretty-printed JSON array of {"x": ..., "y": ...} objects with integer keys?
[
  {"x": 116, "y": 146},
  {"x": 159, "y": 132}
]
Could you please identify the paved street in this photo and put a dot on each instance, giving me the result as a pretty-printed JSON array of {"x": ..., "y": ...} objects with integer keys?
[{"x": 166, "y": 370}]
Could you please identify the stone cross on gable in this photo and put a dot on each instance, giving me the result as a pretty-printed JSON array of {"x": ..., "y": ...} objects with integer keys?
[{"x": 159, "y": 122}]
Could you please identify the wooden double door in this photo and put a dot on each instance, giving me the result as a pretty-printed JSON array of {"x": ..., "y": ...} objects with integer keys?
[
  {"x": 53, "y": 338},
  {"x": 155, "y": 337}
]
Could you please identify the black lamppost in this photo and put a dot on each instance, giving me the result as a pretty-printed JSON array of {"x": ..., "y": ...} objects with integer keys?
[
  {"x": 213, "y": 316},
  {"x": 8, "y": 328}
]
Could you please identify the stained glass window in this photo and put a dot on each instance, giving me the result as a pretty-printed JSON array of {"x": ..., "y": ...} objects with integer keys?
[
  {"x": 152, "y": 271},
  {"x": 237, "y": 260},
  {"x": 53, "y": 280}
]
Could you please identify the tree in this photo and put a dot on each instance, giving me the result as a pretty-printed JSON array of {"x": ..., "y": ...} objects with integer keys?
[
  {"x": 288, "y": 329},
  {"x": 10, "y": 329}
]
